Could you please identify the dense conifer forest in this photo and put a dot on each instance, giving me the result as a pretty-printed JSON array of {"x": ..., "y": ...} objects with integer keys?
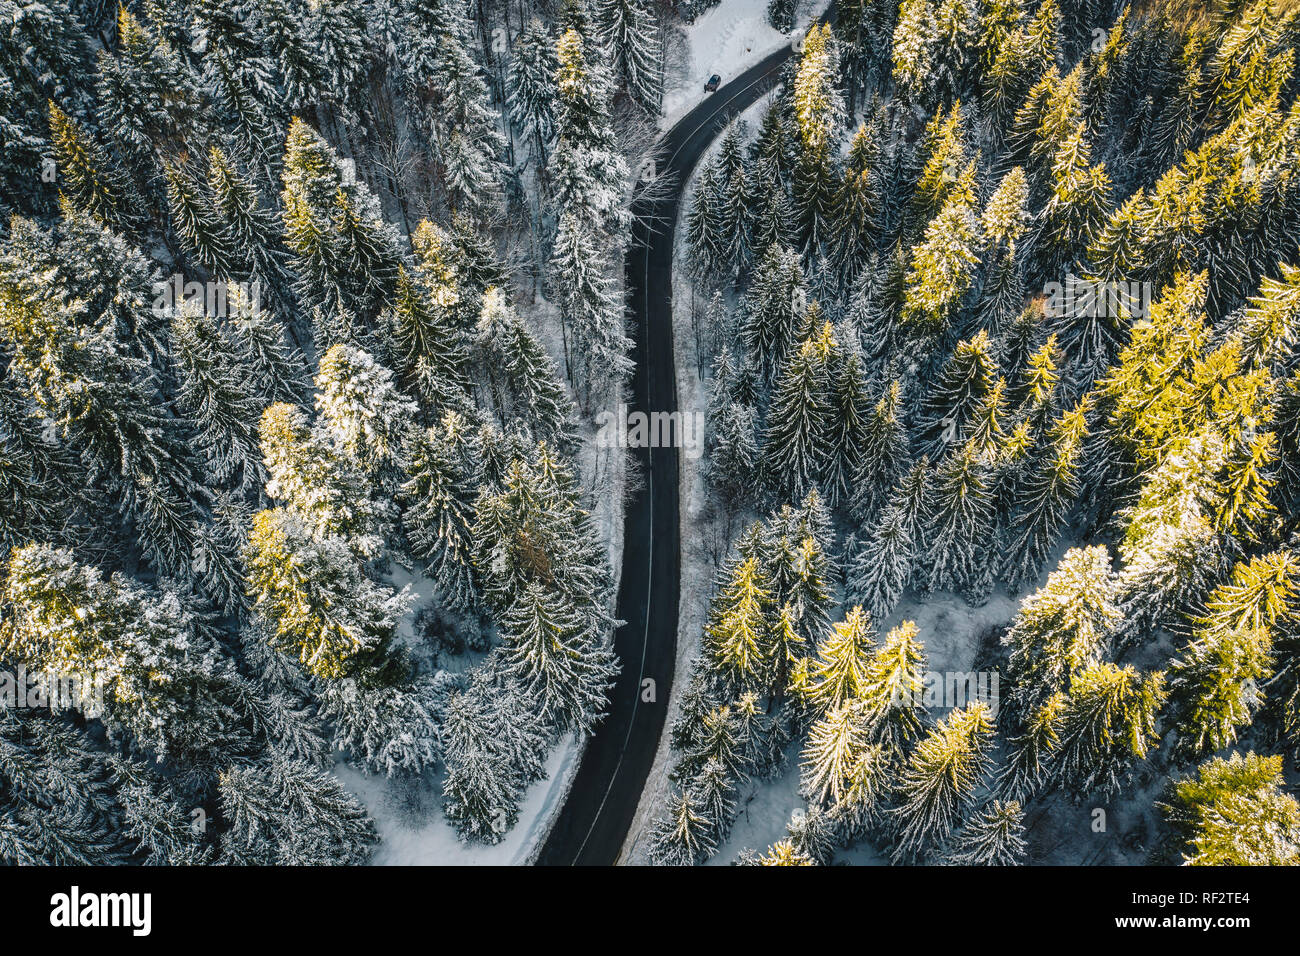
[{"x": 309, "y": 311}]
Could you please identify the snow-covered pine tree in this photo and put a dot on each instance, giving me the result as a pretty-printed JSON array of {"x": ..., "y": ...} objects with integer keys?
[
  {"x": 992, "y": 836},
  {"x": 219, "y": 393},
  {"x": 1234, "y": 812},
  {"x": 797, "y": 440},
  {"x": 940, "y": 781},
  {"x": 442, "y": 478},
  {"x": 1107, "y": 722},
  {"x": 959, "y": 521},
  {"x": 630, "y": 32},
  {"x": 532, "y": 87},
  {"x": 1215, "y": 682},
  {"x": 884, "y": 564}
]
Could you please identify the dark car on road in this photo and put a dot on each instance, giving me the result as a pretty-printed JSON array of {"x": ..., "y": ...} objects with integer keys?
[{"x": 714, "y": 82}]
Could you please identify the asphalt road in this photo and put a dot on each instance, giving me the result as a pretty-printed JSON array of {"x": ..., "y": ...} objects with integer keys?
[{"x": 594, "y": 821}]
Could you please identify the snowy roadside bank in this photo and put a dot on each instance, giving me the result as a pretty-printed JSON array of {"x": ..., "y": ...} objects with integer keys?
[{"x": 727, "y": 40}]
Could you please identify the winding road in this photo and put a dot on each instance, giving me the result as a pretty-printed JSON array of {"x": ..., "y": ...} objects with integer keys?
[{"x": 594, "y": 821}]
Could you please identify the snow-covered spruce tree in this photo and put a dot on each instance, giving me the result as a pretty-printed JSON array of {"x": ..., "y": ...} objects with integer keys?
[
  {"x": 160, "y": 677},
  {"x": 958, "y": 522},
  {"x": 494, "y": 743},
  {"x": 884, "y": 457},
  {"x": 719, "y": 737},
  {"x": 345, "y": 255},
  {"x": 1059, "y": 629},
  {"x": 1234, "y": 812},
  {"x": 207, "y": 242},
  {"x": 1042, "y": 504},
  {"x": 236, "y": 65},
  {"x": 818, "y": 112},
  {"x": 706, "y": 233},
  {"x": 773, "y": 308},
  {"x": 630, "y": 32},
  {"x": 1106, "y": 723},
  {"x": 299, "y": 70},
  {"x": 218, "y": 392},
  {"x": 115, "y": 283},
  {"x": 362, "y": 411},
  {"x": 949, "y": 407},
  {"x": 797, "y": 440},
  {"x": 532, "y": 87},
  {"x": 992, "y": 836},
  {"x": 283, "y": 812},
  {"x": 150, "y": 101},
  {"x": 40, "y": 489},
  {"x": 254, "y": 232},
  {"x": 859, "y": 204},
  {"x": 523, "y": 381},
  {"x": 780, "y": 14},
  {"x": 884, "y": 564},
  {"x": 590, "y": 308},
  {"x": 733, "y": 454},
  {"x": 940, "y": 781},
  {"x": 893, "y": 690},
  {"x": 315, "y": 481},
  {"x": 588, "y": 174},
  {"x": 314, "y": 591},
  {"x": 715, "y": 792},
  {"x": 684, "y": 835},
  {"x": 837, "y": 676},
  {"x": 337, "y": 31},
  {"x": 736, "y": 198},
  {"x": 154, "y": 817},
  {"x": 1215, "y": 682},
  {"x": 442, "y": 478},
  {"x": 430, "y": 355},
  {"x": 107, "y": 402},
  {"x": 91, "y": 179},
  {"x": 851, "y": 424},
  {"x": 57, "y": 807},
  {"x": 276, "y": 367},
  {"x": 559, "y": 655},
  {"x": 836, "y": 761},
  {"x": 780, "y": 853},
  {"x": 383, "y": 719},
  {"x": 455, "y": 108},
  {"x": 941, "y": 271},
  {"x": 1004, "y": 222},
  {"x": 736, "y": 641}
]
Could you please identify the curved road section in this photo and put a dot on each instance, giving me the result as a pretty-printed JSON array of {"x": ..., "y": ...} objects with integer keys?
[{"x": 594, "y": 821}]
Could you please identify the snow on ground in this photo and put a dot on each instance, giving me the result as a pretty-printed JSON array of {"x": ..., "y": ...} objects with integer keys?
[
  {"x": 727, "y": 40},
  {"x": 421, "y": 835}
]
